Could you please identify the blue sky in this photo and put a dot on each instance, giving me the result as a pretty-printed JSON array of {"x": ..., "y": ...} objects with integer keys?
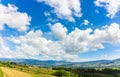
[{"x": 71, "y": 30}]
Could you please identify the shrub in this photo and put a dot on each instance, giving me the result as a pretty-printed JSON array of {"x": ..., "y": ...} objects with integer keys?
[{"x": 63, "y": 73}]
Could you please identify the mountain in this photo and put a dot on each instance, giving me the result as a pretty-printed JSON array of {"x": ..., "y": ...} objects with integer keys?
[
  {"x": 97, "y": 64},
  {"x": 47, "y": 63},
  {"x": 51, "y": 63}
]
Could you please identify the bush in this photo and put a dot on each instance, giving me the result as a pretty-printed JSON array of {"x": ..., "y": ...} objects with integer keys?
[{"x": 63, "y": 73}]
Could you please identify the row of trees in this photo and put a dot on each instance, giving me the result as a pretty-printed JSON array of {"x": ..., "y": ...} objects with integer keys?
[
  {"x": 91, "y": 72},
  {"x": 63, "y": 73}
]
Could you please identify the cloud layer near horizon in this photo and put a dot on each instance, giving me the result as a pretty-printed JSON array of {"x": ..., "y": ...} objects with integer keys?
[{"x": 35, "y": 45}]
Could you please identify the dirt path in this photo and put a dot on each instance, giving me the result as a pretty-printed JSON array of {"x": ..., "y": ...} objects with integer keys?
[{"x": 13, "y": 73}]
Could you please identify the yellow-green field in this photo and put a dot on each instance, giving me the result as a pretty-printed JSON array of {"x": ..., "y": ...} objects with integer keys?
[
  {"x": 25, "y": 72},
  {"x": 11, "y": 69},
  {"x": 15, "y": 70},
  {"x": 7, "y": 72},
  {"x": 1, "y": 73}
]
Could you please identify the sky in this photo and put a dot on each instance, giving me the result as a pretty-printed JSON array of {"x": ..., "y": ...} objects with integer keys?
[{"x": 67, "y": 30}]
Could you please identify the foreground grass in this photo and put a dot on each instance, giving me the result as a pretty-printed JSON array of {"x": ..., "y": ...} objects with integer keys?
[
  {"x": 1, "y": 73},
  {"x": 25, "y": 72},
  {"x": 31, "y": 70},
  {"x": 37, "y": 72},
  {"x": 8, "y": 72}
]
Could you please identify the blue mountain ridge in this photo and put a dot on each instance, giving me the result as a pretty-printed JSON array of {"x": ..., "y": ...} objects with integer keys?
[{"x": 50, "y": 63}]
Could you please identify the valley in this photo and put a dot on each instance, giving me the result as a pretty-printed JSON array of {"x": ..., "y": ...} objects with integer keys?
[{"x": 14, "y": 69}]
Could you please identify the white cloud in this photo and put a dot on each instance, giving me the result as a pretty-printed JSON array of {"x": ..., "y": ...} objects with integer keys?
[
  {"x": 14, "y": 19},
  {"x": 49, "y": 17},
  {"x": 110, "y": 57},
  {"x": 77, "y": 41},
  {"x": 35, "y": 45},
  {"x": 4, "y": 50},
  {"x": 110, "y": 34},
  {"x": 51, "y": 20},
  {"x": 47, "y": 14},
  {"x": 65, "y": 9},
  {"x": 59, "y": 31},
  {"x": 96, "y": 11},
  {"x": 86, "y": 22},
  {"x": 112, "y": 6}
]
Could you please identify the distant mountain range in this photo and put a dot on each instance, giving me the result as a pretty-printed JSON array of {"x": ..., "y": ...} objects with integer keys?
[
  {"x": 52, "y": 63},
  {"x": 96, "y": 64},
  {"x": 47, "y": 63}
]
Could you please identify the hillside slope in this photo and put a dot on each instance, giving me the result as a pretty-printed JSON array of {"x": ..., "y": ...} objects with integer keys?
[{"x": 13, "y": 73}]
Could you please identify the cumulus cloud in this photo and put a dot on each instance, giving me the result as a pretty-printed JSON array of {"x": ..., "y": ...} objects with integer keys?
[
  {"x": 65, "y": 9},
  {"x": 112, "y": 6},
  {"x": 86, "y": 22},
  {"x": 35, "y": 45},
  {"x": 4, "y": 50},
  {"x": 47, "y": 14},
  {"x": 10, "y": 16},
  {"x": 59, "y": 31}
]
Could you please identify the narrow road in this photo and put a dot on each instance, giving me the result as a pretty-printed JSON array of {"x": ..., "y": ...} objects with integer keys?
[{"x": 13, "y": 73}]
